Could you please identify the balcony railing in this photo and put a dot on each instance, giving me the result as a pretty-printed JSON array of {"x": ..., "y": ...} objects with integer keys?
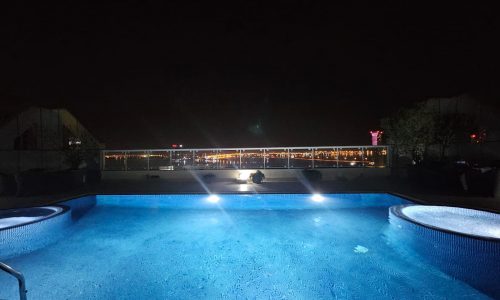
[{"x": 246, "y": 158}]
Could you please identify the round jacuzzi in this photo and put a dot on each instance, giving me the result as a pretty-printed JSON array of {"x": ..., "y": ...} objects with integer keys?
[
  {"x": 469, "y": 222},
  {"x": 27, "y": 229},
  {"x": 17, "y": 217},
  {"x": 464, "y": 243}
]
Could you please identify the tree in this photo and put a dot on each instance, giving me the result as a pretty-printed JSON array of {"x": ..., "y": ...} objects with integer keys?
[
  {"x": 410, "y": 131},
  {"x": 449, "y": 128}
]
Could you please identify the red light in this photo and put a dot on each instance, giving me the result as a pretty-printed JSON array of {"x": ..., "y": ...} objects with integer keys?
[
  {"x": 473, "y": 136},
  {"x": 174, "y": 145}
]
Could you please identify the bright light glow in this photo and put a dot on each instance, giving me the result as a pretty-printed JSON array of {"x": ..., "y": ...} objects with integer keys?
[
  {"x": 213, "y": 199},
  {"x": 317, "y": 198},
  {"x": 243, "y": 188},
  {"x": 244, "y": 175}
]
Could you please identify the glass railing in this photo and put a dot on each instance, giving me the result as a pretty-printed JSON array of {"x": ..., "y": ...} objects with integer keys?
[{"x": 246, "y": 158}]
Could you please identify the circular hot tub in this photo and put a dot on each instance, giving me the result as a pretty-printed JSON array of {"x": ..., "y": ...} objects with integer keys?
[
  {"x": 17, "y": 217},
  {"x": 27, "y": 229},
  {"x": 464, "y": 243},
  {"x": 468, "y": 222}
]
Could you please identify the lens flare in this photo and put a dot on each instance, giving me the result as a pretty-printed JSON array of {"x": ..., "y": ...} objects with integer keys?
[
  {"x": 213, "y": 199},
  {"x": 244, "y": 175},
  {"x": 317, "y": 198}
]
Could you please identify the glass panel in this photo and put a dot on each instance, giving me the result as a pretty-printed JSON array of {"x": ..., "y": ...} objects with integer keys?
[
  {"x": 114, "y": 161},
  {"x": 137, "y": 161},
  {"x": 300, "y": 158},
  {"x": 229, "y": 159},
  {"x": 276, "y": 158},
  {"x": 182, "y": 159},
  {"x": 206, "y": 159},
  {"x": 325, "y": 157},
  {"x": 375, "y": 157},
  {"x": 252, "y": 159},
  {"x": 160, "y": 160},
  {"x": 350, "y": 157}
]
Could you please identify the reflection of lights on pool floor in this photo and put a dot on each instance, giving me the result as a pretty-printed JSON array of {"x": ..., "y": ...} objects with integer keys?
[{"x": 243, "y": 188}]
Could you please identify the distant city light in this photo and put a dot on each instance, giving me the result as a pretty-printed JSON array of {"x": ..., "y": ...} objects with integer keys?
[
  {"x": 213, "y": 199},
  {"x": 317, "y": 198}
]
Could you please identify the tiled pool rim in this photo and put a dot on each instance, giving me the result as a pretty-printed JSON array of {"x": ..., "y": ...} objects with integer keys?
[
  {"x": 27, "y": 237},
  {"x": 61, "y": 209},
  {"x": 470, "y": 258},
  {"x": 397, "y": 211}
]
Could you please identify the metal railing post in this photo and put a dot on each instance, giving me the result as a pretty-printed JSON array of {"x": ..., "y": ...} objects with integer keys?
[
  {"x": 20, "y": 279},
  {"x": 217, "y": 157},
  {"x": 312, "y": 153},
  {"x": 193, "y": 163},
  {"x": 264, "y": 156},
  {"x": 337, "y": 156},
  {"x": 363, "y": 156},
  {"x": 125, "y": 160},
  {"x": 288, "y": 158}
]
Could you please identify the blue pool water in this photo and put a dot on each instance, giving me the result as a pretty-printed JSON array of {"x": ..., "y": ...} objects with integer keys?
[{"x": 240, "y": 247}]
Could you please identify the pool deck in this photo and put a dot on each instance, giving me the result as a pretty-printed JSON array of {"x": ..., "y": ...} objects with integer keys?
[{"x": 163, "y": 186}]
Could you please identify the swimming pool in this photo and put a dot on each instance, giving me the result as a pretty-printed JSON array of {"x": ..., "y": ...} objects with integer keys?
[{"x": 274, "y": 246}]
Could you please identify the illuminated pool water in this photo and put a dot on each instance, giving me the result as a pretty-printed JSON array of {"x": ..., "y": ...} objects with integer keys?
[{"x": 231, "y": 246}]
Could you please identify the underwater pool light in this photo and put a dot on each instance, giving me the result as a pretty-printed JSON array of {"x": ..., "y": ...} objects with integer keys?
[
  {"x": 213, "y": 199},
  {"x": 317, "y": 198}
]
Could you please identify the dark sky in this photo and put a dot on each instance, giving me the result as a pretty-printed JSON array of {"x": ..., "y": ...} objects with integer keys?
[{"x": 248, "y": 74}]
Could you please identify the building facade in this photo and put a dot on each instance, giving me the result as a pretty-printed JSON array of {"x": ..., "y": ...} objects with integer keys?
[{"x": 38, "y": 138}]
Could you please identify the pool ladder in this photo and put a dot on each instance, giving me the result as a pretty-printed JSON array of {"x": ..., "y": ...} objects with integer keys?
[{"x": 20, "y": 279}]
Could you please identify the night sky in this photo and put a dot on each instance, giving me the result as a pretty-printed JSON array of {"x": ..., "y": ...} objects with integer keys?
[{"x": 141, "y": 75}]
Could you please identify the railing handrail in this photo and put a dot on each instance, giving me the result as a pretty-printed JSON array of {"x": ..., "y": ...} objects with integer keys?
[
  {"x": 243, "y": 148},
  {"x": 20, "y": 279}
]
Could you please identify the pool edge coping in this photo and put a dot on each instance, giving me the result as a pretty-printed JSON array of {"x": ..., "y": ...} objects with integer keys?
[
  {"x": 396, "y": 210},
  {"x": 403, "y": 196}
]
